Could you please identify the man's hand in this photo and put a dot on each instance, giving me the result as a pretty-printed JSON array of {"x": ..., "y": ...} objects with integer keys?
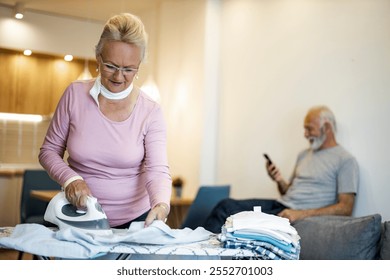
[
  {"x": 274, "y": 172},
  {"x": 159, "y": 212},
  {"x": 76, "y": 193},
  {"x": 275, "y": 175},
  {"x": 292, "y": 215},
  {"x": 343, "y": 207}
]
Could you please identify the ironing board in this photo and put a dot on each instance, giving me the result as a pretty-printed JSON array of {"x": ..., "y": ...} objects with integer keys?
[{"x": 207, "y": 249}]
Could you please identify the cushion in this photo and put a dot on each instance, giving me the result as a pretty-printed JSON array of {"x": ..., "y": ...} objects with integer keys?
[
  {"x": 385, "y": 248},
  {"x": 339, "y": 237}
]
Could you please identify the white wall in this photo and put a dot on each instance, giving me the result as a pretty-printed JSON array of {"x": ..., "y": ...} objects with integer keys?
[
  {"x": 281, "y": 57},
  {"x": 181, "y": 82}
]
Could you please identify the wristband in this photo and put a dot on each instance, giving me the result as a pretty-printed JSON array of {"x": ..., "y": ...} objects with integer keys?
[{"x": 70, "y": 180}]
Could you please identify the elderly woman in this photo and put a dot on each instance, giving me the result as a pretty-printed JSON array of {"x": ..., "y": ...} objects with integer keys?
[{"x": 114, "y": 134}]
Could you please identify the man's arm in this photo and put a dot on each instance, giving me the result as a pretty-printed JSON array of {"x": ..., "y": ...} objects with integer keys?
[
  {"x": 275, "y": 175},
  {"x": 343, "y": 207}
]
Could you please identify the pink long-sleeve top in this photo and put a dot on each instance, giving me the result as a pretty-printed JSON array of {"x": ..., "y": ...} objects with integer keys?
[{"x": 124, "y": 163}]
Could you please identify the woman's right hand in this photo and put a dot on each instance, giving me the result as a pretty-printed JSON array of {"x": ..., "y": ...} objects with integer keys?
[{"x": 76, "y": 193}]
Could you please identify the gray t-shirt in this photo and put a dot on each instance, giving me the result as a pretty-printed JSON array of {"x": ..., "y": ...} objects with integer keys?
[{"x": 319, "y": 176}]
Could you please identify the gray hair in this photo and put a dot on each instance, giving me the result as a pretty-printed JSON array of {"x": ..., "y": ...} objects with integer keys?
[
  {"x": 125, "y": 28},
  {"x": 325, "y": 115}
]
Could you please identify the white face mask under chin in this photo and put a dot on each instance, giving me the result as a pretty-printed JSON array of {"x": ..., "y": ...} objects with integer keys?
[
  {"x": 117, "y": 95},
  {"x": 98, "y": 88}
]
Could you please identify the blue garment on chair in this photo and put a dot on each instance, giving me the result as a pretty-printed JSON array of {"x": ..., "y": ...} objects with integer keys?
[{"x": 206, "y": 199}]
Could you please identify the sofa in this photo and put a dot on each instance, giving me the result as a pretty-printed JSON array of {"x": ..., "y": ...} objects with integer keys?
[{"x": 344, "y": 238}]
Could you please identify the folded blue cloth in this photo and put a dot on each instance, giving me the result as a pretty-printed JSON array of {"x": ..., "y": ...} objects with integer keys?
[
  {"x": 288, "y": 247},
  {"x": 265, "y": 251},
  {"x": 269, "y": 236}
]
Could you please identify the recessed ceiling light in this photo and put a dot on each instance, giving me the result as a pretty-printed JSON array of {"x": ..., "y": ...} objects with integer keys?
[
  {"x": 68, "y": 57},
  {"x": 27, "y": 52},
  {"x": 18, "y": 15},
  {"x": 19, "y": 10}
]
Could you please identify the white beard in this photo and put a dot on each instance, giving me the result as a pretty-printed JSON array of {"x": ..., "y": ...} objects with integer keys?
[{"x": 316, "y": 142}]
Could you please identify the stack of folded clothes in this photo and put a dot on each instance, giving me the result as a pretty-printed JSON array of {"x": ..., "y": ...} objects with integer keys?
[{"x": 271, "y": 237}]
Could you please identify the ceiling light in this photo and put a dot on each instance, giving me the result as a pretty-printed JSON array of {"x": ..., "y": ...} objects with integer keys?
[
  {"x": 27, "y": 52},
  {"x": 19, "y": 10},
  {"x": 68, "y": 57}
]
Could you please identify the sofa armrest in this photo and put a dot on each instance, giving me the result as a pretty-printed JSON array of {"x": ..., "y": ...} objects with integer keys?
[
  {"x": 339, "y": 237},
  {"x": 385, "y": 242}
]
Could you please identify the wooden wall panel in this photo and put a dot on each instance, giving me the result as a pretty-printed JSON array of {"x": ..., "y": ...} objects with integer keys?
[
  {"x": 34, "y": 84},
  {"x": 34, "y": 78},
  {"x": 7, "y": 82}
]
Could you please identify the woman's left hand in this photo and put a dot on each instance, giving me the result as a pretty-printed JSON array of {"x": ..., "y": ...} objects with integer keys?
[{"x": 159, "y": 212}]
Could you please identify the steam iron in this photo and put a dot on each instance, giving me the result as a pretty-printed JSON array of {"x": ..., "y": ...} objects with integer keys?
[{"x": 63, "y": 214}]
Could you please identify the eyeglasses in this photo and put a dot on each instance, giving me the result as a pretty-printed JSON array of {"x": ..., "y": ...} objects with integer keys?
[{"x": 112, "y": 69}]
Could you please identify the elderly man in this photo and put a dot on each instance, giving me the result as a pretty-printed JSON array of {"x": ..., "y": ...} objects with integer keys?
[{"x": 324, "y": 181}]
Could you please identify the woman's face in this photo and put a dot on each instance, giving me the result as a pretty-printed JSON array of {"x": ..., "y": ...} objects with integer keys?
[{"x": 126, "y": 57}]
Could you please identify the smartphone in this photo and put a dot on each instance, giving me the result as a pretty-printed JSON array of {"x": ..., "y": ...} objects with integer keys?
[{"x": 268, "y": 159}]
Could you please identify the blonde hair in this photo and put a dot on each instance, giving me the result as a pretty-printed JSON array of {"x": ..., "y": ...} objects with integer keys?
[{"x": 125, "y": 28}]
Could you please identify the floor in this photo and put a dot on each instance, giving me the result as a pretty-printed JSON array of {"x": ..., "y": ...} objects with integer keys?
[{"x": 6, "y": 254}]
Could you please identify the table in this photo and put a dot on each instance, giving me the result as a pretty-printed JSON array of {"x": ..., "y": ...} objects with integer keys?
[
  {"x": 179, "y": 209},
  {"x": 179, "y": 206},
  {"x": 44, "y": 195}
]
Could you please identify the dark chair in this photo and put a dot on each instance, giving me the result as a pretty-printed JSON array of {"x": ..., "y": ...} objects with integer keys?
[
  {"x": 206, "y": 199},
  {"x": 32, "y": 210}
]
